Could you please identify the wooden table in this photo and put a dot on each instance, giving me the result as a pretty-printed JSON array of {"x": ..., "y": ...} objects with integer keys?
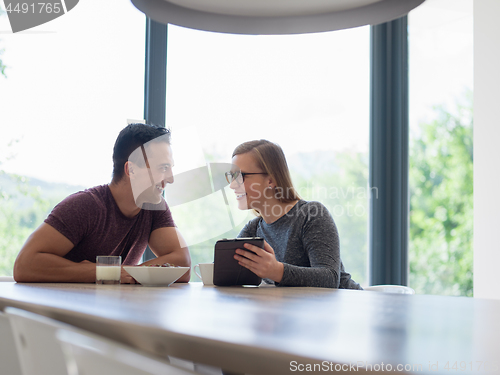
[{"x": 278, "y": 330}]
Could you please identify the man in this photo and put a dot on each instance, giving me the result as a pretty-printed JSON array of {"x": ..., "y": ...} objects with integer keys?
[{"x": 116, "y": 219}]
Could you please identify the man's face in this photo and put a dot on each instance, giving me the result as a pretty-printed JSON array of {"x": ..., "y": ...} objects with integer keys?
[{"x": 150, "y": 178}]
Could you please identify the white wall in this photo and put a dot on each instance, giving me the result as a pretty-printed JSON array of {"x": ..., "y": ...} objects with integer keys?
[{"x": 486, "y": 149}]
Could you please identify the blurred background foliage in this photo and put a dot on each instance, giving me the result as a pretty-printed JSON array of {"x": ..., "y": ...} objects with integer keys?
[
  {"x": 24, "y": 204},
  {"x": 441, "y": 203}
]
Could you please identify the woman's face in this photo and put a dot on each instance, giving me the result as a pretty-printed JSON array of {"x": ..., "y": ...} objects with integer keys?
[{"x": 250, "y": 193}]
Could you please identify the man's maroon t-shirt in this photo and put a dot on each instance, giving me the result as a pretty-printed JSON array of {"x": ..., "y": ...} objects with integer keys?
[{"x": 92, "y": 221}]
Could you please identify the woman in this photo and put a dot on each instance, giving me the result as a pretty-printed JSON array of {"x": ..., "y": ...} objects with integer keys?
[{"x": 301, "y": 245}]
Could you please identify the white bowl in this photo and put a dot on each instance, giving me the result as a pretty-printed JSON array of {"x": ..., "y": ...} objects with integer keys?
[{"x": 156, "y": 276}]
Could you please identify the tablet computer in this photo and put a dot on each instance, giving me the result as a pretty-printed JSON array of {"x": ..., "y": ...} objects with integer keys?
[{"x": 227, "y": 271}]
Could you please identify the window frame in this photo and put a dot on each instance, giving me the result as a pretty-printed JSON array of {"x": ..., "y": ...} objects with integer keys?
[{"x": 389, "y": 154}]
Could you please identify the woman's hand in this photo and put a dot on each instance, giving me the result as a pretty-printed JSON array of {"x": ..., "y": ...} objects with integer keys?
[{"x": 262, "y": 262}]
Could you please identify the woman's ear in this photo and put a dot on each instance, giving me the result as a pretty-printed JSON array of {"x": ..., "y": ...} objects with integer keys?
[{"x": 271, "y": 183}]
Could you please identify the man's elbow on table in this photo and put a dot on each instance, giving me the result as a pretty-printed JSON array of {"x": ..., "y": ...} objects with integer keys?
[
  {"x": 22, "y": 272},
  {"x": 43, "y": 249},
  {"x": 19, "y": 275}
]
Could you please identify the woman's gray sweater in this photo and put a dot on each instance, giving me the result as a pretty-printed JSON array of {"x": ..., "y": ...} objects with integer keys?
[{"x": 306, "y": 241}]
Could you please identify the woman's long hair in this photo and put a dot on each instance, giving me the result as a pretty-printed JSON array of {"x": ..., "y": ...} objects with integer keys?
[{"x": 270, "y": 158}]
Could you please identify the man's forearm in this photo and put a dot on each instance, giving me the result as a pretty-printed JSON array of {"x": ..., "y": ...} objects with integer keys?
[{"x": 46, "y": 267}]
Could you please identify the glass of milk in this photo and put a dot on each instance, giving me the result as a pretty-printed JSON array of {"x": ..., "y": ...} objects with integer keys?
[{"x": 108, "y": 269}]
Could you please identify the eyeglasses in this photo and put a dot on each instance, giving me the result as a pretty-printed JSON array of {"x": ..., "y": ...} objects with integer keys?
[{"x": 238, "y": 176}]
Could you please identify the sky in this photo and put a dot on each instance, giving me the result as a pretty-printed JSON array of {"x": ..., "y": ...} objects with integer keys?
[{"x": 74, "y": 82}]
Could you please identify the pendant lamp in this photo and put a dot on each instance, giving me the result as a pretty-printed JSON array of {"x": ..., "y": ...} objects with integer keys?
[{"x": 273, "y": 17}]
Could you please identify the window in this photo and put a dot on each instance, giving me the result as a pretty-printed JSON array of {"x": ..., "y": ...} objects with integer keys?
[
  {"x": 71, "y": 86},
  {"x": 308, "y": 93},
  {"x": 441, "y": 212}
]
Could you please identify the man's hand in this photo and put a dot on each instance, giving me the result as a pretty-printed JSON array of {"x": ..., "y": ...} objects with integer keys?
[{"x": 125, "y": 278}]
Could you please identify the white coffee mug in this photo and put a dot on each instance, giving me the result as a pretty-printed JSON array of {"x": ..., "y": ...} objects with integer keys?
[{"x": 206, "y": 273}]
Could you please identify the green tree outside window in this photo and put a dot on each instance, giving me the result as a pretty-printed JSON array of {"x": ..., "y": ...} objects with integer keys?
[{"x": 441, "y": 203}]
